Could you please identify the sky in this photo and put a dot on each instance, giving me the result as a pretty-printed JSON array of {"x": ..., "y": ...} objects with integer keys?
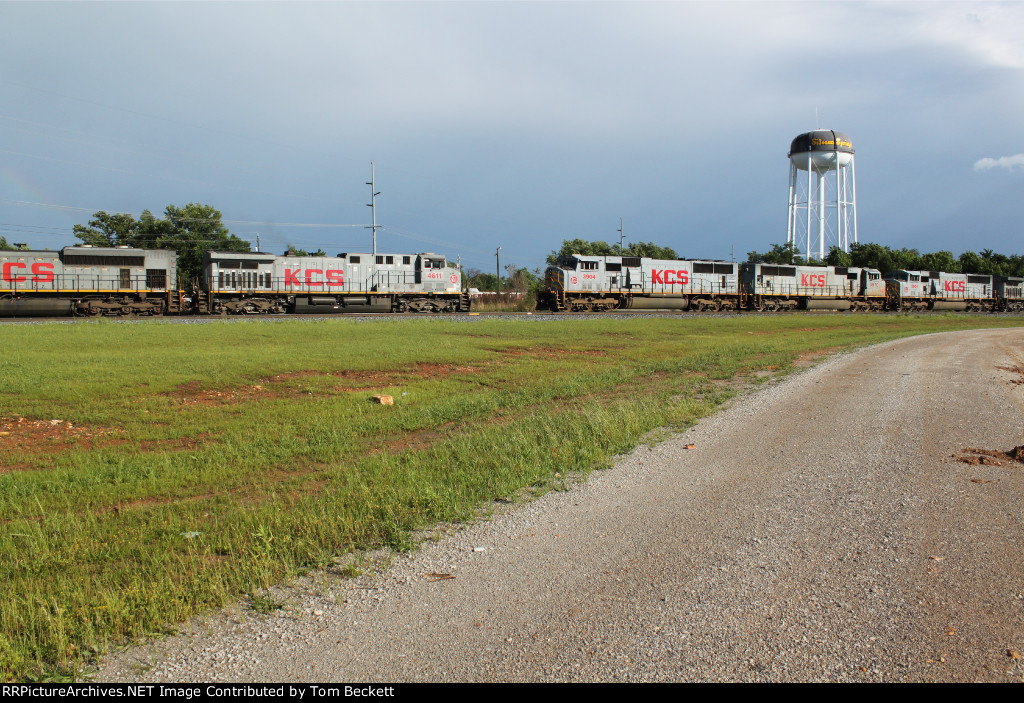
[{"x": 511, "y": 124}]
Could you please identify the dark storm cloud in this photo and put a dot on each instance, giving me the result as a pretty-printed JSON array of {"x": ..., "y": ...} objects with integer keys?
[{"x": 511, "y": 124}]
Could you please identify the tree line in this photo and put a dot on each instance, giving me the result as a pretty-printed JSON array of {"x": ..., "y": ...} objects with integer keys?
[
  {"x": 189, "y": 230},
  {"x": 885, "y": 259}
]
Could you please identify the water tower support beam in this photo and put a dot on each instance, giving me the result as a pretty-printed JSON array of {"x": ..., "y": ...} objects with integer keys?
[
  {"x": 839, "y": 202},
  {"x": 791, "y": 218},
  {"x": 853, "y": 175},
  {"x": 821, "y": 215},
  {"x": 810, "y": 194}
]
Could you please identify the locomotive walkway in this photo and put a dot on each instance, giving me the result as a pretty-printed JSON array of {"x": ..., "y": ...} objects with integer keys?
[{"x": 819, "y": 529}]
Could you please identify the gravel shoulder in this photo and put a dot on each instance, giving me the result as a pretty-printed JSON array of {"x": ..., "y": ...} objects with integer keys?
[{"x": 820, "y": 529}]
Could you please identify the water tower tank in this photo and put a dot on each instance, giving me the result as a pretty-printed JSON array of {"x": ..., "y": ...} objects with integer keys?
[
  {"x": 824, "y": 147},
  {"x": 823, "y": 203}
]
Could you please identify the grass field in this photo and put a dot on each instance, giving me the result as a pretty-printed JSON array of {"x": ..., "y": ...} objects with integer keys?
[{"x": 149, "y": 470}]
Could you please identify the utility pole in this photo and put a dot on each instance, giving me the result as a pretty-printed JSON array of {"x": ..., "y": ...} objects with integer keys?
[
  {"x": 622, "y": 237},
  {"x": 497, "y": 258},
  {"x": 373, "y": 208}
]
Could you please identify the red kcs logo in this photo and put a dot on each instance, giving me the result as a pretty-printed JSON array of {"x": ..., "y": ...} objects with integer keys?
[
  {"x": 670, "y": 277},
  {"x": 812, "y": 279},
  {"x": 956, "y": 287},
  {"x": 42, "y": 273},
  {"x": 314, "y": 277}
]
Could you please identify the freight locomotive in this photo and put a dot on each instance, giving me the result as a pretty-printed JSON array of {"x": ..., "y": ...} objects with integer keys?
[
  {"x": 92, "y": 281},
  {"x": 114, "y": 281},
  {"x": 247, "y": 283},
  {"x": 600, "y": 283},
  {"x": 85, "y": 280}
]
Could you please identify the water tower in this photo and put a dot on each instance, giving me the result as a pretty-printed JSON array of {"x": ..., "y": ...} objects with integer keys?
[{"x": 822, "y": 205}]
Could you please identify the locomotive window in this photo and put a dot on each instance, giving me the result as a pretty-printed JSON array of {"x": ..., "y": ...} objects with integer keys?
[
  {"x": 156, "y": 278},
  {"x": 588, "y": 266},
  {"x": 770, "y": 270},
  {"x": 841, "y": 271},
  {"x": 851, "y": 276},
  {"x": 389, "y": 259},
  {"x": 220, "y": 280},
  {"x": 102, "y": 260},
  {"x": 612, "y": 267},
  {"x": 353, "y": 259},
  {"x": 787, "y": 271},
  {"x": 631, "y": 261},
  {"x": 979, "y": 279},
  {"x": 703, "y": 268},
  {"x": 406, "y": 260},
  {"x": 728, "y": 269}
]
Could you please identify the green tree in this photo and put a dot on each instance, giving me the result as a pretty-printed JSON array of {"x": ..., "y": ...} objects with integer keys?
[
  {"x": 602, "y": 248},
  {"x": 109, "y": 230},
  {"x": 15, "y": 246},
  {"x": 969, "y": 262},
  {"x": 189, "y": 230},
  {"x": 291, "y": 250},
  {"x": 194, "y": 229},
  {"x": 779, "y": 254},
  {"x": 940, "y": 261},
  {"x": 651, "y": 250},
  {"x": 838, "y": 257}
]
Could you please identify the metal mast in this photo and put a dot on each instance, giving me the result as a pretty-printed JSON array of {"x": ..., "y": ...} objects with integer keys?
[{"x": 373, "y": 207}]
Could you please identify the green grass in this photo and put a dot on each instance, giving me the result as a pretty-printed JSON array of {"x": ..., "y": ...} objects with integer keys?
[{"x": 194, "y": 464}]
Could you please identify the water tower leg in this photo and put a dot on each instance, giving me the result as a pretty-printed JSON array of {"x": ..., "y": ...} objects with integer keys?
[
  {"x": 839, "y": 204},
  {"x": 821, "y": 216},
  {"x": 791, "y": 221},
  {"x": 853, "y": 177},
  {"x": 810, "y": 195}
]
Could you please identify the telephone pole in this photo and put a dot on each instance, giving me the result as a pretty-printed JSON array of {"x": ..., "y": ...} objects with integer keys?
[
  {"x": 497, "y": 258},
  {"x": 373, "y": 208}
]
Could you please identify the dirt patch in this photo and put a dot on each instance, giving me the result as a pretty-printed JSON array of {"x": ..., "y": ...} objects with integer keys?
[
  {"x": 990, "y": 457},
  {"x": 276, "y": 386},
  {"x": 21, "y": 437},
  {"x": 810, "y": 358},
  {"x": 1019, "y": 370},
  {"x": 550, "y": 352}
]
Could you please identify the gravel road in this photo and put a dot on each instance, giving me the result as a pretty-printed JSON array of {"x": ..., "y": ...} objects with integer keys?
[{"x": 819, "y": 530}]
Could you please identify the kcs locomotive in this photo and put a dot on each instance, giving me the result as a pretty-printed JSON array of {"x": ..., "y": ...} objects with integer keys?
[
  {"x": 599, "y": 283},
  {"x": 85, "y": 280}
]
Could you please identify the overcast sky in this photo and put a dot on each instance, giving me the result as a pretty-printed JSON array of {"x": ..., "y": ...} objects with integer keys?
[{"x": 514, "y": 124}]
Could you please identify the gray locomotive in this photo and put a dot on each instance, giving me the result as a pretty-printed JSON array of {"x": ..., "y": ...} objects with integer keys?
[
  {"x": 597, "y": 283},
  {"x": 581, "y": 283},
  {"x": 938, "y": 290},
  {"x": 85, "y": 280},
  {"x": 253, "y": 283}
]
